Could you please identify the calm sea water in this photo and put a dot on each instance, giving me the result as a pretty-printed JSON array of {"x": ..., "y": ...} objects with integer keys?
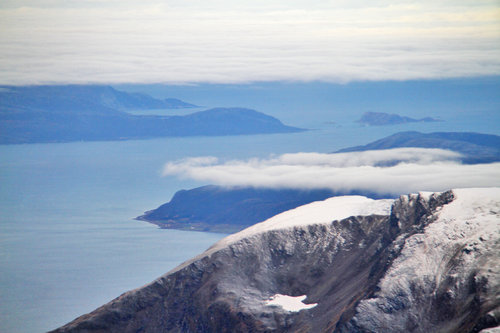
[{"x": 68, "y": 241}]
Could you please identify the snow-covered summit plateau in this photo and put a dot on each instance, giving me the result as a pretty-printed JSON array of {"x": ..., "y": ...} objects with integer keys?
[{"x": 426, "y": 262}]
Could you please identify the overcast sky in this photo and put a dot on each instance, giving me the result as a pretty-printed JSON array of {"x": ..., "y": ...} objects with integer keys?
[
  {"x": 226, "y": 41},
  {"x": 420, "y": 170}
]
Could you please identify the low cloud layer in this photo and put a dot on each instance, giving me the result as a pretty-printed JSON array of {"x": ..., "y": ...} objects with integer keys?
[
  {"x": 56, "y": 41},
  {"x": 417, "y": 169}
]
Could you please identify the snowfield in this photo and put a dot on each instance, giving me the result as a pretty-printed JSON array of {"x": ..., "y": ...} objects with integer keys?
[{"x": 290, "y": 303}]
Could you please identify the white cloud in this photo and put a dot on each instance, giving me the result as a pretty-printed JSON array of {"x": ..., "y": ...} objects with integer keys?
[
  {"x": 228, "y": 41},
  {"x": 418, "y": 169}
]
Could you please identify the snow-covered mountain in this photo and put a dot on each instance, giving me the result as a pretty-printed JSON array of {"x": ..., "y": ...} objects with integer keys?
[{"x": 426, "y": 262}]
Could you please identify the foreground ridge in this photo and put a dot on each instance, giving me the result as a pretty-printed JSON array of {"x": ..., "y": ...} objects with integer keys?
[{"x": 425, "y": 262}]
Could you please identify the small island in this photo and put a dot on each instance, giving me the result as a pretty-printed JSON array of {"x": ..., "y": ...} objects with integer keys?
[{"x": 382, "y": 119}]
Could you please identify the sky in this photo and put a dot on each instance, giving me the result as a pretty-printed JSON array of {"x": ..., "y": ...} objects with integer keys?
[
  {"x": 223, "y": 41},
  {"x": 416, "y": 169}
]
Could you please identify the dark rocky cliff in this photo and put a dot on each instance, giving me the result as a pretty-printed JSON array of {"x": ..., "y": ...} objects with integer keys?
[{"x": 369, "y": 273}]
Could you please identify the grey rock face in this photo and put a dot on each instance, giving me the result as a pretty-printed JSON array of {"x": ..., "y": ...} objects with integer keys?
[{"x": 359, "y": 270}]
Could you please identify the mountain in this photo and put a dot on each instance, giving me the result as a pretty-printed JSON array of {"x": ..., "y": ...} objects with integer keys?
[
  {"x": 226, "y": 121},
  {"x": 89, "y": 113},
  {"x": 221, "y": 209},
  {"x": 424, "y": 262},
  {"x": 475, "y": 147},
  {"x": 381, "y": 119}
]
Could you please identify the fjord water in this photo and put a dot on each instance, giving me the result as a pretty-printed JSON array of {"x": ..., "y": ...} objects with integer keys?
[{"x": 68, "y": 239}]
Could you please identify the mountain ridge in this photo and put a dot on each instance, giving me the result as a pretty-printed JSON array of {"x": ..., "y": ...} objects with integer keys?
[{"x": 344, "y": 261}]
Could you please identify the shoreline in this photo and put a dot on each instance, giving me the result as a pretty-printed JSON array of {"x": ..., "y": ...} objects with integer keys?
[{"x": 193, "y": 226}]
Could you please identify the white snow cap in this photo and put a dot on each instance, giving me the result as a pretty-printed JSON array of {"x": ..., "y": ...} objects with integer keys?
[{"x": 319, "y": 212}]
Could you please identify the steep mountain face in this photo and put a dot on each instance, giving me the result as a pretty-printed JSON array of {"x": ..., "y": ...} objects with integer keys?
[
  {"x": 422, "y": 263},
  {"x": 475, "y": 147}
]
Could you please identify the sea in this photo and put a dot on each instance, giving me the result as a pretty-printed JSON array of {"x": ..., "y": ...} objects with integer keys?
[{"x": 68, "y": 239}]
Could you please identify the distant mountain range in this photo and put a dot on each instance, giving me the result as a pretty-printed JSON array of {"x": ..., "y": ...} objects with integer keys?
[
  {"x": 220, "y": 209},
  {"x": 381, "y": 118},
  {"x": 475, "y": 147},
  {"x": 89, "y": 113},
  {"x": 81, "y": 98}
]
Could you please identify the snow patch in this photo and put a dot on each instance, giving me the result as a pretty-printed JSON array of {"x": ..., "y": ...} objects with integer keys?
[{"x": 290, "y": 303}]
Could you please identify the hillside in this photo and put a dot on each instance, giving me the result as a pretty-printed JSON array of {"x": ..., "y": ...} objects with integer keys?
[
  {"x": 220, "y": 209},
  {"x": 475, "y": 147}
]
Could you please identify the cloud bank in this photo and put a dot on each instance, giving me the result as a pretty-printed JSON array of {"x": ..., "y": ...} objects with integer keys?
[
  {"x": 222, "y": 41},
  {"x": 417, "y": 169}
]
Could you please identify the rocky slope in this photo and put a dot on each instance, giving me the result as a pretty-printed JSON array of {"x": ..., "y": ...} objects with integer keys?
[{"x": 422, "y": 263}]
